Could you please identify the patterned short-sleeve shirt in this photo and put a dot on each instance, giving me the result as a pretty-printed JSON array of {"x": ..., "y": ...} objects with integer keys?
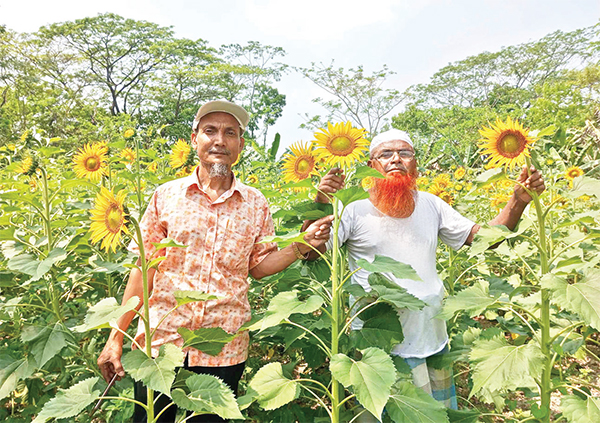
[{"x": 221, "y": 238}]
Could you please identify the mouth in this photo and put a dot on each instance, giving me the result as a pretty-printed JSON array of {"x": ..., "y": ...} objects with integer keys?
[
  {"x": 396, "y": 170},
  {"x": 220, "y": 152}
]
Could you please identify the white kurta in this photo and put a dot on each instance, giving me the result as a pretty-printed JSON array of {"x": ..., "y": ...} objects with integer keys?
[{"x": 413, "y": 240}]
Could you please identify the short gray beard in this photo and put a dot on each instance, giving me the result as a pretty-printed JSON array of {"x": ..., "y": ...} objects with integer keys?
[{"x": 219, "y": 170}]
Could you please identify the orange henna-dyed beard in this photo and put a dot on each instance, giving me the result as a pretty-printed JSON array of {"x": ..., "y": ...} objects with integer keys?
[{"x": 395, "y": 195}]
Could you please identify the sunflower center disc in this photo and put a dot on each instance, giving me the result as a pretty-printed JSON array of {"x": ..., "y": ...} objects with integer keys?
[
  {"x": 510, "y": 145},
  {"x": 302, "y": 166},
  {"x": 341, "y": 146},
  {"x": 92, "y": 163},
  {"x": 114, "y": 219}
]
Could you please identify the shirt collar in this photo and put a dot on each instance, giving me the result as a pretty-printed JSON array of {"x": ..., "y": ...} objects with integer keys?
[{"x": 192, "y": 179}]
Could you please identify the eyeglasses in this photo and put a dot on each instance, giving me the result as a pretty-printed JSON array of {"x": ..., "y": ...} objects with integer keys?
[{"x": 404, "y": 154}]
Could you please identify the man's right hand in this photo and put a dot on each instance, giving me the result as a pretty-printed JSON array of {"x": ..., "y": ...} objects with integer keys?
[
  {"x": 330, "y": 184},
  {"x": 109, "y": 361}
]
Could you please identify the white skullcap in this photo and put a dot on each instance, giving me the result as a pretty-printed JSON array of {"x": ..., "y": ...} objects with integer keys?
[{"x": 391, "y": 135}]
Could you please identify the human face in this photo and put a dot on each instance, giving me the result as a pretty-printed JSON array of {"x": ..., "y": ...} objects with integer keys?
[
  {"x": 218, "y": 139},
  {"x": 394, "y": 163}
]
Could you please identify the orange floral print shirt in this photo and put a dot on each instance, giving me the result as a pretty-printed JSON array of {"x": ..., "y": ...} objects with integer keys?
[{"x": 222, "y": 247}]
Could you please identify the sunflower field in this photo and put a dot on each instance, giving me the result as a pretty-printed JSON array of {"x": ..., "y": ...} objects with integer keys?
[{"x": 522, "y": 307}]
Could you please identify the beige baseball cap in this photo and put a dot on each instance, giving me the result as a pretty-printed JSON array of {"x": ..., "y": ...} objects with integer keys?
[{"x": 238, "y": 112}]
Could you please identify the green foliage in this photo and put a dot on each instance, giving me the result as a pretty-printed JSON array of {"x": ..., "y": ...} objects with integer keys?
[
  {"x": 408, "y": 403},
  {"x": 208, "y": 340},
  {"x": 70, "y": 402},
  {"x": 105, "y": 314},
  {"x": 273, "y": 388},
  {"x": 577, "y": 410},
  {"x": 284, "y": 305}
]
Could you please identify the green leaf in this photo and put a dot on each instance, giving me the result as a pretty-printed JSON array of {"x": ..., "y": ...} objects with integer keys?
[
  {"x": 366, "y": 171},
  {"x": 28, "y": 264},
  {"x": 383, "y": 330},
  {"x": 185, "y": 297},
  {"x": 582, "y": 297},
  {"x": 472, "y": 300},
  {"x": 385, "y": 264},
  {"x": 349, "y": 195},
  {"x": 283, "y": 305},
  {"x": 207, "y": 394},
  {"x": 168, "y": 243},
  {"x": 273, "y": 388},
  {"x": 498, "y": 366},
  {"x": 463, "y": 416},
  {"x": 70, "y": 183},
  {"x": 584, "y": 185},
  {"x": 12, "y": 371},
  {"x": 105, "y": 313},
  {"x": 489, "y": 176},
  {"x": 284, "y": 240},
  {"x": 408, "y": 403},
  {"x": 488, "y": 236},
  {"x": 50, "y": 342},
  {"x": 101, "y": 266},
  {"x": 275, "y": 147},
  {"x": 305, "y": 183},
  {"x": 208, "y": 340},
  {"x": 371, "y": 377},
  {"x": 577, "y": 410},
  {"x": 70, "y": 402},
  {"x": 391, "y": 293},
  {"x": 156, "y": 373}
]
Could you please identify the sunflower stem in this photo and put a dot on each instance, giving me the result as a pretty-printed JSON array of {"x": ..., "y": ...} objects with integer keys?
[{"x": 335, "y": 311}]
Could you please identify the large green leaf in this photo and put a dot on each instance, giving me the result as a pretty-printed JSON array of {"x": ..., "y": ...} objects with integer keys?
[
  {"x": 156, "y": 373},
  {"x": 577, "y": 410},
  {"x": 384, "y": 264},
  {"x": 185, "y": 297},
  {"x": 409, "y": 404},
  {"x": 472, "y": 300},
  {"x": 490, "y": 235},
  {"x": 207, "y": 394},
  {"x": 105, "y": 313},
  {"x": 273, "y": 388},
  {"x": 463, "y": 416},
  {"x": 584, "y": 185},
  {"x": 168, "y": 243},
  {"x": 49, "y": 343},
  {"x": 371, "y": 377},
  {"x": 208, "y": 340},
  {"x": 70, "y": 402},
  {"x": 283, "y": 305},
  {"x": 365, "y": 171},
  {"x": 382, "y": 330},
  {"x": 582, "y": 297},
  {"x": 284, "y": 240},
  {"x": 11, "y": 371},
  {"x": 389, "y": 292},
  {"x": 498, "y": 366},
  {"x": 349, "y": 195},
  {"x": 28, "y": 264}
]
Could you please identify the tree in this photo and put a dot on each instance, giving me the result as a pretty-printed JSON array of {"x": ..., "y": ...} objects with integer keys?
[{"x": 357, "y": 97}]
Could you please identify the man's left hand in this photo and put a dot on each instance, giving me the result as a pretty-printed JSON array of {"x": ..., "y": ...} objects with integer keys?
[
  {"x": 531, "y": 180},
  {"x": 318, "y": 232}
]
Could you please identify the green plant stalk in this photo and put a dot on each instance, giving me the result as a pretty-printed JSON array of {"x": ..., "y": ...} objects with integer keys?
[
  {"x": 147, "y": 331},
  {"x": 545, "y": 384},
  {"x": 335, "y": 311},
  {"x": 54, "y": 298},
  {"x": 138, "y": 185}
]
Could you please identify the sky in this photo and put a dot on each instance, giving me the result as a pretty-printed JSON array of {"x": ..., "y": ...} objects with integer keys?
[{"x": 413, "y": 38}]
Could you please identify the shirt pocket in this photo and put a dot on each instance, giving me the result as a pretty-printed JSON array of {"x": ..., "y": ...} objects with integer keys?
[{"x": 237, "y": 241}]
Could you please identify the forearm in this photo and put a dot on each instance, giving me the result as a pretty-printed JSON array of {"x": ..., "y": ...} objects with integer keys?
[
  {"x": 134, "y": 288},
  {"x": 277, "y": 261}
]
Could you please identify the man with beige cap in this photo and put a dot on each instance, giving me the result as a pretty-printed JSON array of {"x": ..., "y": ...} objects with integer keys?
[{"x": 221, "y": 221}]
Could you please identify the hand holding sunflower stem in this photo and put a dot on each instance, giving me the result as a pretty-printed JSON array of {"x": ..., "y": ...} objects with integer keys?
[
  {"x": 529, "y": 182},
  {"x": 331, "y": 183}
]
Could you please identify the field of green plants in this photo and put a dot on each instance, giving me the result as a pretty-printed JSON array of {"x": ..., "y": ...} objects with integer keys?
[{"x": 76, "y": 172}]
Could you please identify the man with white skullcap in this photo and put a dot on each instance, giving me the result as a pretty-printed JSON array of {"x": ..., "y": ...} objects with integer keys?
[{"x": 402, "y": 223}]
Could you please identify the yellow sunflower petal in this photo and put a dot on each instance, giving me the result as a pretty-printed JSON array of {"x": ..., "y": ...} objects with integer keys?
[{"x": 108, "y": 219}]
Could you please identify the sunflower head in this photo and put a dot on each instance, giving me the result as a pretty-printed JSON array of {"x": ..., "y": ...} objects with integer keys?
[
  {"x": 252, "y": 179},
  {"x": 90, "y": 161},
  {"x": 28, "y": 166},
  {"x": 129, "y": 133},
  {"x": 573, "y": 172},
  {"x": 458, "y": 187},
  {"x": 367, "y": 183},
  {"x": 443, "y": 181},
  {"x": 500, "y": 200},
  {"x": 340, "y": 144},
  {"x": 459, "y": 173},
  {"x": 506, "y": 143},
  {"x": 152, "y": 167},
  {"x": 181, "y": 155},
  {"x": 300, "y": 163},
  {"x": 184, "y": 171},
  {"x": 128, "y": 155},
  {"x": 422, "y": 182},
  {"x": 109, "y": 219}
]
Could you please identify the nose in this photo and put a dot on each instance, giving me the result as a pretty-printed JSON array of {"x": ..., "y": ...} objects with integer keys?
[{"x": 396, "y": 157}]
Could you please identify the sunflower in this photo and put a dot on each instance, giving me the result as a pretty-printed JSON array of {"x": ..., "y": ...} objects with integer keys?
[
  {"x": 442, "y": 180},
  {"x": 300, "y": 163},
  {"x": 181, "y": 155},
  {"x": 368, "y": 182},
  {"x": 90, "y": 162},
  {"x": 152, "y": 167},
  {"x": 28, "y": 166},
  {"x": 458, "y": 187},
  {"x": 507, "y": 143},
  {"x": 340, "y": 144},
  {"x": 422, "y": 182},
  {"x": 573, "y": 172},
  {"x": 447, "y": 197},
  {"x": 252, "y": 179},
  {"x": 436, "y": 189},
  {"x": 129, "y": 133},
  {"x": 108, "y": 219},
  {"x": 459, "y": 173},
  {"x": 500, "y": 200},
  {"x": 184, "y": 171},
  {"x": 128, "y": 155}
]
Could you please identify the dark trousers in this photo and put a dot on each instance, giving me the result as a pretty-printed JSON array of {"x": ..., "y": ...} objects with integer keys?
[{"x": 230, "y": 375}]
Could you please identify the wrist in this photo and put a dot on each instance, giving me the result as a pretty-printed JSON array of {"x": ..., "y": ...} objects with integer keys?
[{"x": 300, "y": 253}]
